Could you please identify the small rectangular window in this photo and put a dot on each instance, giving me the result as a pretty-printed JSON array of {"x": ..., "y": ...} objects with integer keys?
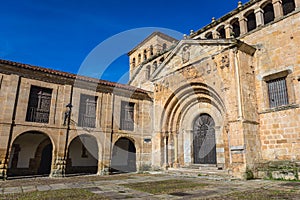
[
  {"x": 127, "y": 116},
  {"x": 277, "y": 91},
  {"x": 87, "y": 111},
  {"x": 39, "y": 103}
]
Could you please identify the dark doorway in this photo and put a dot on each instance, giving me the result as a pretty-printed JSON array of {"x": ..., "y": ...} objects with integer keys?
[
  {"x": 204, "y": 143},
  {"x": 123, "y": 156},
  {"x": 46, "y": 158}
]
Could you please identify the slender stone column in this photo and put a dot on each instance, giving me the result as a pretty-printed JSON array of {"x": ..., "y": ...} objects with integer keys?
[
  {"x": 59, "y": 168},
  {"x": 259, "y": 15},
  {"x": 3, "y": 169},
  {"x": 243, "y": 25},
  {"x": 297, "y": 4},
  {"x": 278, "y": 12},
  {"x": 216, "y": 35},
  {"x": 166, "y": 161},
  {"x": 176, "y": 162},
  {"x": 228, "y": 31}
]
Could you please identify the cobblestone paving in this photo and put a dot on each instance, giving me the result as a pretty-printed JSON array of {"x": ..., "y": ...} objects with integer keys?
[{"x": 114, "y": 189}]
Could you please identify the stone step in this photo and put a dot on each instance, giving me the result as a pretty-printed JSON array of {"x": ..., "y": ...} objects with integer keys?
[
  {"x": 202, "y": 166},
  {"x": 207, "y": 173}
]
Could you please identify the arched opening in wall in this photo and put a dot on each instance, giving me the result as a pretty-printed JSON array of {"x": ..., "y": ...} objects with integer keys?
[
  {"x": 154, "y": 65},
  {"x": 221, "y": 31},
  {"x": 82, "y": 155},
  {"x": 161, "y": 60},
  {"x": 151, "y": 51},
  {"x": 123, "y": 156},
  {"x": 269, "y": 15},
  {"x": 251, "y": 21},
  {"x": 164, "y": 47},
  {"x": 145, "y": 54},
  {"x": 147, "y": 72},
  {"x": 133, "y": 62},
  {"x": 204, "y": 140},
  {"x": 235, "y": 27},
  {"x": 209, "y": 36},
  {"x": 288, "y": 6},
  {"x": 31, "y": 155},
  {"x": 139, "y": 58}
]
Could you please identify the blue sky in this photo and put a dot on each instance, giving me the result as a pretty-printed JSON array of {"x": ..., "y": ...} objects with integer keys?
[{"x": 61, "y": 34}]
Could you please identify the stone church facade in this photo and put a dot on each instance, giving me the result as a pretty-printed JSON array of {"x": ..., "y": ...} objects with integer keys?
[{"x": 226, "y": 96}]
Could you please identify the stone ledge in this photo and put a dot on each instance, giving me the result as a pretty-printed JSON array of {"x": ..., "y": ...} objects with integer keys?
[{"x": 280, "y": 108}]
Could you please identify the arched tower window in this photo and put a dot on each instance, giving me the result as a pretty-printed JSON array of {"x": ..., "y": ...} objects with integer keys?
[
  {"x": 145, "y": 54},
  {"x": 221, "y": 32},
  {"x": 139, "y": 58},
  {"x": 164, "y": 46},
  {"x": 251, "y": 21},
  {"x": 151, "y": 50},
  {"x": 133, "y": 62},
  {"x": 154, "y": 65},
  {"x": 268, "y": 13},
  {"x": 147, "y": 72},
  {"x": 209, "y": 35},
  {"x": 236, "y": 27},
  {"x": 161, "y": 60},
  {"x": 288, "y": 6}
]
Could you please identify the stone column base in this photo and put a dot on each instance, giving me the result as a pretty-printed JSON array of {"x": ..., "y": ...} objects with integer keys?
[
  {"x": 166, "y": 166},
  {"x": 3, "y": 171},
  {"x": 176, "y": 165},
  {"x": 59, "y": 168}
]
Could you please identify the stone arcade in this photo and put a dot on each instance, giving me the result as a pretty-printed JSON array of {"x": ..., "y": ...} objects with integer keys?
[{"x": 226, "y": 96}]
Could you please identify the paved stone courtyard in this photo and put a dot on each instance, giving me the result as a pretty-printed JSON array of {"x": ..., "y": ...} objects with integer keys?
[{"x": 113, "y": 186}]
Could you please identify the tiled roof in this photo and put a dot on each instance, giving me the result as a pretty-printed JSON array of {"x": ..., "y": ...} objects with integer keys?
[{"x": 72, "y": 76}]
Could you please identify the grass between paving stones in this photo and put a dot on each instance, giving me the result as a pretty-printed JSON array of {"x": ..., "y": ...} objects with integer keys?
[
  {"x": 73, "y": 179},
  {"x": 67, "y": 194},
  {"x": 165, "y": 187},
  {"x": 261, "y": 194}
]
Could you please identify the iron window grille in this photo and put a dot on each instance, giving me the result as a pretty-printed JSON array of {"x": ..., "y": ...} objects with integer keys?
[
  {"x": 277, "y": 91},
  {"x": 87, "y": 111},
  {"x": 39, "y": 103},
  {"x": 127, "y": 116}
]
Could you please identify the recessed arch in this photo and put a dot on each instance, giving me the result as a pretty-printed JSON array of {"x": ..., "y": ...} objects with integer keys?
[
  {"x": 179, "y": 96},
  {"x": 83, "y": 155},
  {"x": 123, "y": 157},
  {"x": 31, "y": 154}
]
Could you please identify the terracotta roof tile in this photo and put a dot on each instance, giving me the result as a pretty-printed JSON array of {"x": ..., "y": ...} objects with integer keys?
[{"x": 72, "y": 76}]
